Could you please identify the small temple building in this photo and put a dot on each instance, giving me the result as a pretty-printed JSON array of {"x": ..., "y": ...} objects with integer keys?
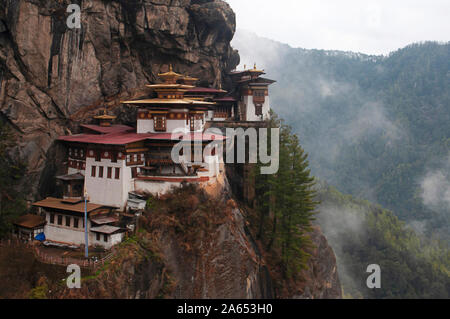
[
  {"x": 64, "y": 222},
  {"x": 112, "y": 162},
  {"x": 253, "y": 94}
]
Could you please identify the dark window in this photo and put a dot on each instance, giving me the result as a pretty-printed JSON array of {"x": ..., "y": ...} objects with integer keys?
[
  {"x": 113, "y": 157},
  {"x": 98, "y": 156},
  {"x": 258, "y": 109},
  {"x": 134, "y": 172},
  {"x": 67, "y": 221},
  {"x": 192, "y": 123},
  {"x": 105, "y": 238},
  {"x": 109, "y": 172},
  {"x": 100, "y": 171},
  {"x": 93, "y": 171},
  {"x": 117, "y": 172},
  {"x": 160, "y": 123},
  {"x": 52, "y": 218},
  {"x": 97, "y": 236},
  {"x": 60, "y": 219},
  {"x": 75, "y": 222},
  {"x": 258, "y": 96}
]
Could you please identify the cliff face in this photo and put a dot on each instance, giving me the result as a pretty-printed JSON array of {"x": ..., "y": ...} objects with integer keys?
[
  {"x": 51, "y": 76},
  {"x": 321, "y": 277},
  {"x": 195, "y": 245}
]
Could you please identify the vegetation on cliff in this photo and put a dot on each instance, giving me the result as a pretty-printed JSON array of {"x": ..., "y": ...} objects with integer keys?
[
  {"x": 12, "y": 202},
  {"x": 285, "y": 205}
]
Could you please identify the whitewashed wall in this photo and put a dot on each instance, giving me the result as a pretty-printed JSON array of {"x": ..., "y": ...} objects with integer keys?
[
  {"x": 250, "y": 109},
  {"x": 108, "y": 191},
  {"x": 62, "y": 233},
  {"x": 113, "y": 240}
]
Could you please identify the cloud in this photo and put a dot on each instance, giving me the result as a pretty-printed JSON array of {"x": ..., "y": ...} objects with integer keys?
[
  {"x": 436, "y": 187},
  {"x": 339, "y": 224},
  {"x": 370, "y": 26},
  {"x": 371, "y": 119}
]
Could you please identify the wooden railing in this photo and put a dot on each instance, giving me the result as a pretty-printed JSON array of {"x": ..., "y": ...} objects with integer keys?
[{"x": 53, "y": 260}]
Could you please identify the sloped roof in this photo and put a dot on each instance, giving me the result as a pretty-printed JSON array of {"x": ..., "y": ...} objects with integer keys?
[
  {"x": 205, "y": 90},
  {"x": 126, "y": 138},
  {"x": 105, "y": 229},
  {"x": 101, "y": 220},
  {"x": 57, "y": 203},
  {"x": 71, "y": 177},
  {"x": 226, "y": 99},
  {"x": 108, "y": 129},
  {"x": 30, "y": 221},
  {"x": 108, "y": 139},
  {"x": 169, "y": 101}
]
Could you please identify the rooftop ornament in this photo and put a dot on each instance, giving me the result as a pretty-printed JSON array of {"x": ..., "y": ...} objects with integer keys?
[
  {"x": 105, "y": 119},
  {"x": 170, "y": 77}
]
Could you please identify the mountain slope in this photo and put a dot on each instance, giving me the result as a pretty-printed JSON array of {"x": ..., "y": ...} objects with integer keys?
[
  {"x": 376, "y": 127},
  {"x": 362, "y": 234}
]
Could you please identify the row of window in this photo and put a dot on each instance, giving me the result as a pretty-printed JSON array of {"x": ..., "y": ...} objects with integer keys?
[
  {"x": 76, "y": 153},
  {"x": 135, "y": 159},
  {"x": 59, "y": 221},
  {"x": 112, "y": 155},
  {"x": 105, "y": 237},
  {"x": 160, "y": 123},
  {"x": 109, "y": 171},
  {"x": 76, "y": 223},
  {"x": 259, "y": 93}
]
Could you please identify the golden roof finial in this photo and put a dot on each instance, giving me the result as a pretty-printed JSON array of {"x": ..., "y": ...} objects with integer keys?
[
  {"x": 170, "y": 68},
  {"x": 254, "y": 67},
  {"x": 245, "y": 66},
  {"x": 105, "y": 115}
]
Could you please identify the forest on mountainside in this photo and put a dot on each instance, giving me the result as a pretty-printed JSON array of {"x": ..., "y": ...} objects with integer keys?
[
  {"x": 376, "y": 127},
  {"x": 290, "y": 202},
  {"x": 362, "y": 234}
]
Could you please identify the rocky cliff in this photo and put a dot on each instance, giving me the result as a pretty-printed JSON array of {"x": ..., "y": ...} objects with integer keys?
[
  {"x": 194, "y": 245},
  {"x": 52, "y": 76}
]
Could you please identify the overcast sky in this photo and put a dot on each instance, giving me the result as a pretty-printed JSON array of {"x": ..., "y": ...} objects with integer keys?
[{"x": 367, "y": 26}]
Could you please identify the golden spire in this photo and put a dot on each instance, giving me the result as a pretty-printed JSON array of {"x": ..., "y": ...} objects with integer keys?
[
  {"x": 105, "y": 119},
  {"x": 255, "y": 70},
  {"x": 170, "y": 77}
]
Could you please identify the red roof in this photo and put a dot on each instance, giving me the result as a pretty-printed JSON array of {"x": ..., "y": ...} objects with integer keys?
[
  {"x": 192, "y": 136},
  {"x": 226, "y": 99},
  {"x": 109, "y": 139},
  {"x": 204, "y": 90},
  {"x": 126, "y": 138},
  {"x": 107, "y": 129}
]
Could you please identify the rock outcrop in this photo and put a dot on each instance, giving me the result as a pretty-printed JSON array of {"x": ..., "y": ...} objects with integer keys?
[
  {"x": 51, "y": 76},
  {"x": 321, "y": 277}
]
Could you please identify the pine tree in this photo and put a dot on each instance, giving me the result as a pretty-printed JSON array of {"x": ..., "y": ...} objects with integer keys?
[{"x": 286, "y": 203}]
